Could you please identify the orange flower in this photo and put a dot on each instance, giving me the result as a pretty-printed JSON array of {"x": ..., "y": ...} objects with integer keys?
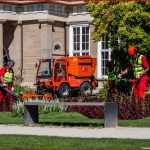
[
  {"x": 28, "y": 96},
  {"x": 47, "y": 96}
]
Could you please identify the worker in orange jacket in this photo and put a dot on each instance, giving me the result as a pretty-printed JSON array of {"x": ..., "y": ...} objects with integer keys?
[{"x": 140, "y": 67}]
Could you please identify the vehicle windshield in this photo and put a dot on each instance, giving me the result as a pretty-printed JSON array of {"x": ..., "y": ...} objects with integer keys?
[{"x": 45, "y": 70}]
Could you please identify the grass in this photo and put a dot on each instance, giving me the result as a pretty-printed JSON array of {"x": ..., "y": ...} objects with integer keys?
[
  {"x": 8, "y": 118},
  {"x": 71, "y": 119},
  {"x": 20, "y": 141},
  {"x": 145, "y": 122},
  {"x": 56, "y": 118}
]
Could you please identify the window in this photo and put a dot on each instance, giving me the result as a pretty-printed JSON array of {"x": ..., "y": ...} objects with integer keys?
[
  {"x": 79, "y": 9},
  {"x": 80, "y": 40},
  {"x": 105, "y": 42},
  {"x": 60, "y": 71},
  {"x": 104, "y": 53},
  {"x": 44, "y": 69},
  {"x": 7, "y": 7},
  {"x": 59, "y": 8},
  {"x": 40, "y": 7},
  {"x": 57, "y": 47},
  {"x": 30, "y": 8},
  {"x": 104, "y": 59},
  {"x": 52, "y": 8}
]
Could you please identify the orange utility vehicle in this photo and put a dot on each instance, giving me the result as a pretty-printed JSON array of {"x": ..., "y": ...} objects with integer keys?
[{"x": 65, "y": 76}]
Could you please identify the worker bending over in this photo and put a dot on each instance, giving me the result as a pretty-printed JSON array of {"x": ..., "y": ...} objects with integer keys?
[
  {"x": 7, "y": 78},
  {"x": 140, "y": 67}
]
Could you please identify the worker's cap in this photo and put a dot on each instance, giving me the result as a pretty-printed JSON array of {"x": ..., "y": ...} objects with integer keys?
[
  {"x": 132, "y": 50},
  {"x": 10, "y": 63}
]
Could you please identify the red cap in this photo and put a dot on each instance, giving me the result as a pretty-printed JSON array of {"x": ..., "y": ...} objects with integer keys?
[{"x": 131, "y": 50}]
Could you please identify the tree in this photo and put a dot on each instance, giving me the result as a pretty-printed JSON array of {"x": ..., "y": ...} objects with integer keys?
[{"x": 126, "y": 23}]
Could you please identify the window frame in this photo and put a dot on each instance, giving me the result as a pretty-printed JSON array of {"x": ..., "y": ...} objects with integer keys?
[
  {"x": 71, "y": 41},
  {"x": 99, "y": 59}
]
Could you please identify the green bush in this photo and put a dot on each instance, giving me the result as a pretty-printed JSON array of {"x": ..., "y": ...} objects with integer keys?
[
  {"x": 103, "y": 92},
  {"x": 20, "y": 89}
]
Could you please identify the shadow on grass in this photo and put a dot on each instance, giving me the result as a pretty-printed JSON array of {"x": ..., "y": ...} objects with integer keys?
[{"x": 73, "y": 124}]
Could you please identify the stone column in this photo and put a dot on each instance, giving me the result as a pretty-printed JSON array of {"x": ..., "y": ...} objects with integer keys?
[
  {"x": 18, "y": 46},
  {"x": 46, "y": 38},
  {"x": 67, "y": 40},
  {"x": 1, "y": 43}
]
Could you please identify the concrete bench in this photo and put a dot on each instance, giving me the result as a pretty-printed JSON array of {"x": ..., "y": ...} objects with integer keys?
[{"x": 31, "y": 115}]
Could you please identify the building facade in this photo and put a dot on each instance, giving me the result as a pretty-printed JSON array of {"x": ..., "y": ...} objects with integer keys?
[{"x": 31, "y": 30}]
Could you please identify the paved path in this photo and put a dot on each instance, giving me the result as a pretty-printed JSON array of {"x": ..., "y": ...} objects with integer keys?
[{"x": 83, "y": 132}]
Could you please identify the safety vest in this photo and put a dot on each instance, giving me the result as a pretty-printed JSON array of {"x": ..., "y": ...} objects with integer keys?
[
  {"x": 137, "y": 65},
  {"x": 111, "y": 75},
  {"x": 8, "y": 76}
]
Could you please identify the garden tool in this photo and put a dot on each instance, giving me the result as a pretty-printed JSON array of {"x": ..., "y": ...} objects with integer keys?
[
  {"x": 131, "y": 94},
  {"x": 17, "y": 98},
  {"x": 132, "y": 90}
]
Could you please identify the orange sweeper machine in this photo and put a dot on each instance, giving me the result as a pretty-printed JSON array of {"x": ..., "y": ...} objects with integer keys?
[{"x": 64, "y": 77}]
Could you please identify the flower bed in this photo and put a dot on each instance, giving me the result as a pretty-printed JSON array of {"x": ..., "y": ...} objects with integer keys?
[{"x": 127, "y": 109}]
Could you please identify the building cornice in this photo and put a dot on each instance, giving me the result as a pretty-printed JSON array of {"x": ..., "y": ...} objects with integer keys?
[
  {"x": 79, "y": 22},
  {"x": 49, "y": 21},
  {"x": 2, "y": 21},
  {"x": 67, "y": 2}
]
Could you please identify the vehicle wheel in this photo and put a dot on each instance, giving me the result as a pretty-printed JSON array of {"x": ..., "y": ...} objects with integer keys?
[
  {"x": 64, "y": 90},
  {"x": 86, "y": 89}
]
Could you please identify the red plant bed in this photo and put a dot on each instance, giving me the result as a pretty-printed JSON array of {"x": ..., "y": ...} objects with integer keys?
[
  {"x": 7, "y": 103},
  {"x": 127, "y": 109},
  {"x": 96, "y": 112}
]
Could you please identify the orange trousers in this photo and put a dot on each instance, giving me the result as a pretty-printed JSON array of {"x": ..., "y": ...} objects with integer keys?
[{"x": 140, "y": 87}]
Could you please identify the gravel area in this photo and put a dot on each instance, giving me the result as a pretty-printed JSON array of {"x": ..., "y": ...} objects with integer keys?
[{"x": 82, "y": 132}]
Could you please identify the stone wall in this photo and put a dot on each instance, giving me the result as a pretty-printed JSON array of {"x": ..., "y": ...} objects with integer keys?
[
  {"x": 31, "y": 50},
  {"x": 11, "y": 42},
  {"x": 93, "y": 46},
  {"x": 59, "y": 38}
]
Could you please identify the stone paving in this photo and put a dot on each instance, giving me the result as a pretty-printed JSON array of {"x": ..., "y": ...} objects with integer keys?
[{"x": 82, "y": 132}]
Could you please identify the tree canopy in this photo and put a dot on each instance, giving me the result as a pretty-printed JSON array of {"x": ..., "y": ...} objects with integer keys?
[{"x": 126, "y": 23}]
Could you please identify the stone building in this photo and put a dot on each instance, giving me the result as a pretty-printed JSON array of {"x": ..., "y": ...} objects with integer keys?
[{"x": 30, "y": 30}]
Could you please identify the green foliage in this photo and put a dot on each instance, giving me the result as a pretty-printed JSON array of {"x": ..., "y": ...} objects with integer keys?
[
  {"x": 123, "y": 86},
  {"x": 126, "y": 23},
  {"x": 20, "y": 89},
  {"x": 103, "y": 92}
]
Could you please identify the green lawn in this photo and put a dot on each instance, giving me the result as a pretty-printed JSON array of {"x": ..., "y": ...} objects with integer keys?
[
  {"x": 20, "y": 141},
  {"x": 71, "y": 119},
  {"x": 7, "y": 118}
]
